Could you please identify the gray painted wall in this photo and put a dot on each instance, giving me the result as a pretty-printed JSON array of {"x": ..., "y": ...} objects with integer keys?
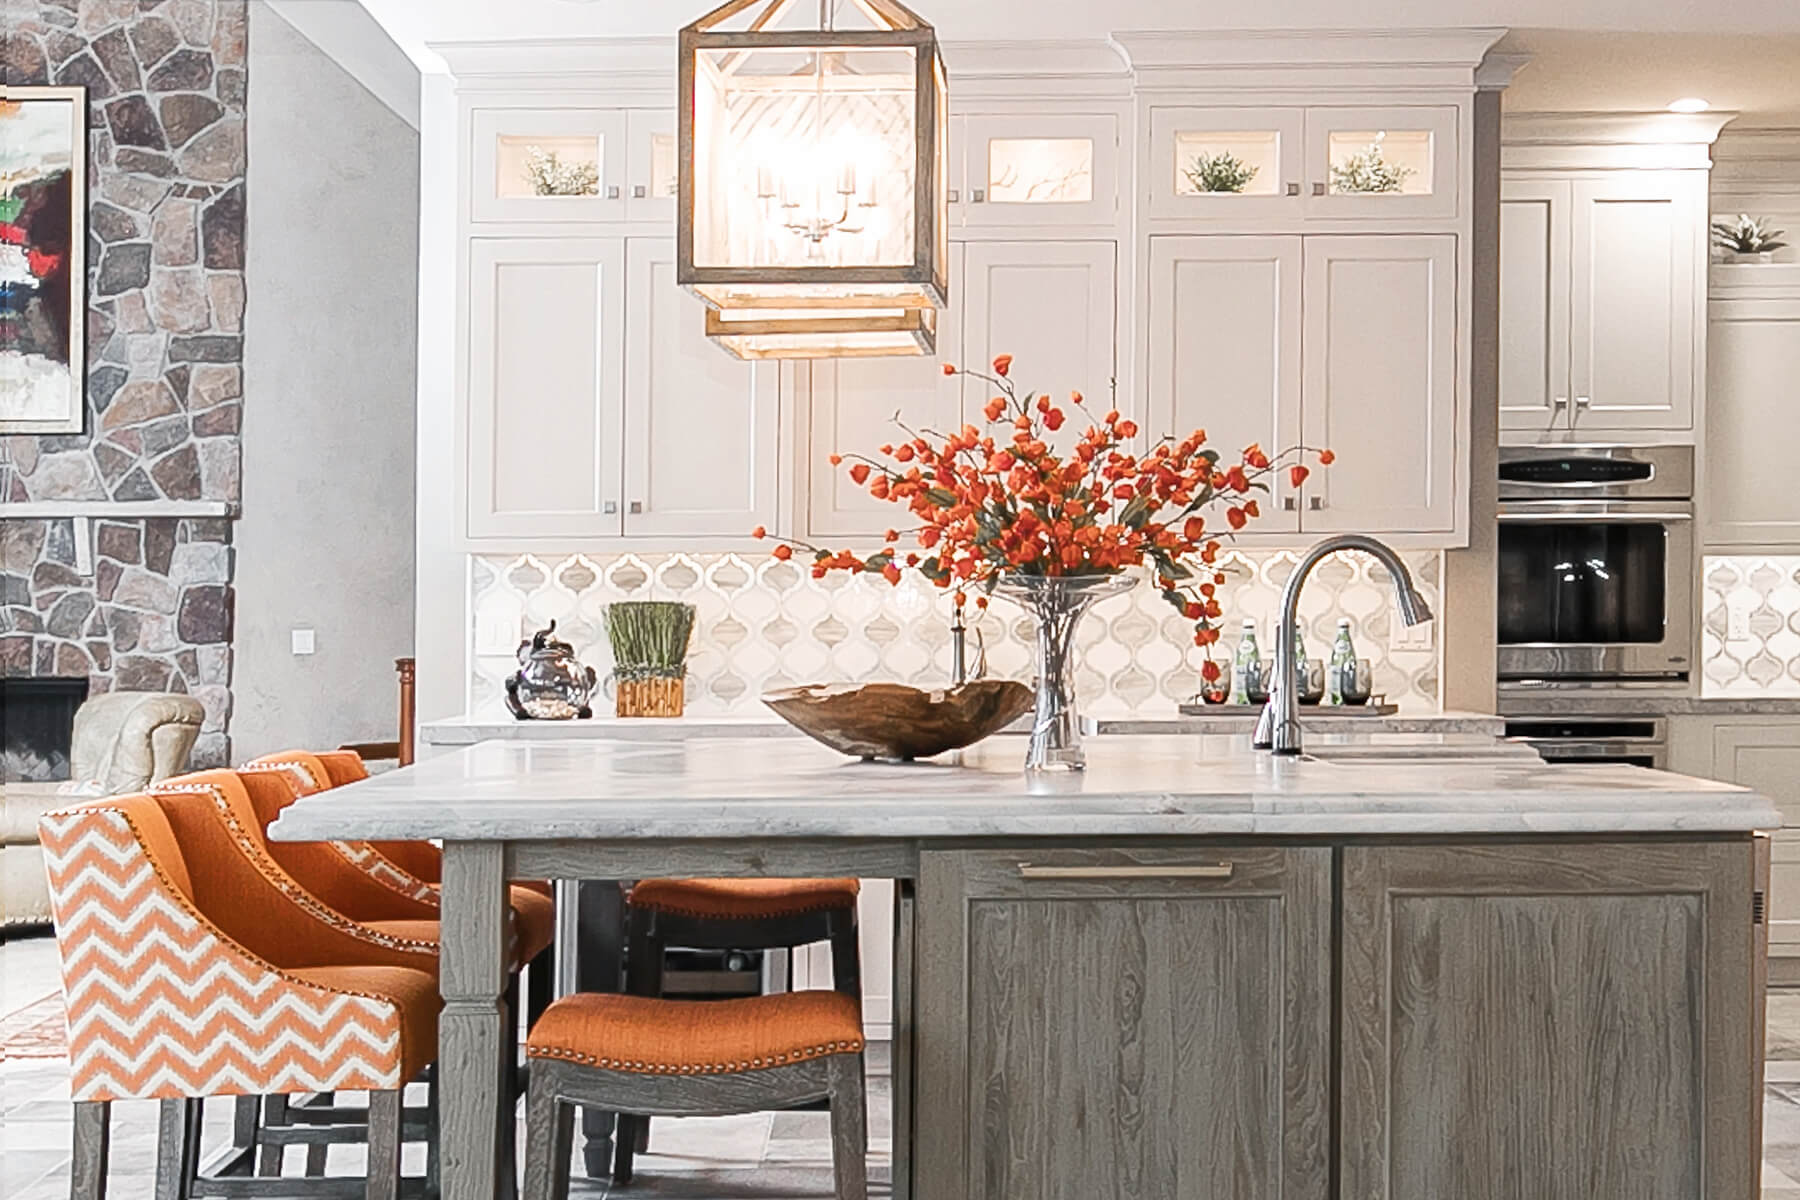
[{"x": 326, "y": 538}]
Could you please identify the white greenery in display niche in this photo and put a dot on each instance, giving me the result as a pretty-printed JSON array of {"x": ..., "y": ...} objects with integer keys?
[
  {"x": 551, "y": 176},
  {"x": 1367, "y": 170},
  {"x": 1746, "y": 235},
  {"x": 1221, "y": 172}
]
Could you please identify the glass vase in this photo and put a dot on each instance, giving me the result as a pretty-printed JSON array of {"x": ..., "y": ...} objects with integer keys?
[{"x": 1057, "y": 604}]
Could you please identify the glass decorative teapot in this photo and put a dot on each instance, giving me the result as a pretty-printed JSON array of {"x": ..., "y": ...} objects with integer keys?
[{"x": 551, "y": 684}]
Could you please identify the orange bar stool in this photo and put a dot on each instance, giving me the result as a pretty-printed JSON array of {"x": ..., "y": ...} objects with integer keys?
[
  {"x": 187, "y": 978},
  {"x": 694, "y": 1058},
  {"x": 731, "y": 914}
]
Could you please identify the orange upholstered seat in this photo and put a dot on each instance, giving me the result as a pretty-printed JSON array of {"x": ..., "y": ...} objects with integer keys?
[
  {"x": 399, "y": 880},
  {"x": 188, "y": 976},
  {"x": 649, "y": 1036},
  {"x": 743, "y": 899}
]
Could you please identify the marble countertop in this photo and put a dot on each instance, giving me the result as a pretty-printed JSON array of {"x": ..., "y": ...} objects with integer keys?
[
  {"x": 768, "y": 788},
  {"x": 466, "y": 731},
  {"x": 1642, "y": 704}
]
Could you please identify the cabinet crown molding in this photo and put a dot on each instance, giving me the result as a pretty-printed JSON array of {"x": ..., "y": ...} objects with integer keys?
[
  {"x": 554, "y": 64},
  {"x": 1305, "y": 50},
  {"x": 1613, "y": 128}
]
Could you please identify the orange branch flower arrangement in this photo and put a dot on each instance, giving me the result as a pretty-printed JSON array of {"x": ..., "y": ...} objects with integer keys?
[{"x": 998, "y": 504}]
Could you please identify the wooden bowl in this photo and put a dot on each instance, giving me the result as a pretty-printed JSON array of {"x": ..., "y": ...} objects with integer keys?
[{"x": 891, "y": 720}]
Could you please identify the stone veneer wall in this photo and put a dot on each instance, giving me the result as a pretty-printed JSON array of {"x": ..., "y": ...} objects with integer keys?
[
  {"x": 149, "y": 604},
  {"x": 764, "y": 624}
]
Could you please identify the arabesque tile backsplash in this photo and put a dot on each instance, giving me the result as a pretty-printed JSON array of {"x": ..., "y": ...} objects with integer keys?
[
  {"x": 1750, "y": 631},
  {"x": 765, "y": 624}
]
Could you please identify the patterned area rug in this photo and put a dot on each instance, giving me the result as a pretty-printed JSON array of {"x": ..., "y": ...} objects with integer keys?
[{"x": 36, "y": 1031}]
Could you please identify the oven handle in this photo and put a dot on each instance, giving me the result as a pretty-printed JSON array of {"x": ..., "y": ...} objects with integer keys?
[{"x": 1625, "y": 515}]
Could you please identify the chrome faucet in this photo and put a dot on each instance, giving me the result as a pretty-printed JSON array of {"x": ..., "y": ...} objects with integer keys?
[{"x": 1279, "y": 727}]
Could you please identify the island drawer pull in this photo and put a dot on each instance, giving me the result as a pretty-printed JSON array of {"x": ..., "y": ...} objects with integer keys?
[{"x": 1220, "y": 870}]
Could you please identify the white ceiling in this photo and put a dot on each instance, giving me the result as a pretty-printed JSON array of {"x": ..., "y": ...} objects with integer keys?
[
  {"x": 1757, "y": 76},
  {"x": 1636, "y": 66}
]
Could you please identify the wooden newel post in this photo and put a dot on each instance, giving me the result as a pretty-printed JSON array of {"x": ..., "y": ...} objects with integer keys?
[{"x": 408, "y": 709}]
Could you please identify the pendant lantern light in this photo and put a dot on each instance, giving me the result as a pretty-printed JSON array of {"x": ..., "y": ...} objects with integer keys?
[{"x": 812, "y": 201}]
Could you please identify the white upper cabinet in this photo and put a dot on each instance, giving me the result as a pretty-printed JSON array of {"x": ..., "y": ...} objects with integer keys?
[
  {"x": 1752, "y": 422},
  {"x": 1272, "y": 168},
  {"x": 547, "y": 164},
  {"x": 653, "y": 165},
  {"x": 546, "y": 343},
  {"x": 1225, "y": 163},
  {"x": 1051, "y": 305},
  {"x": 1534, "y": 303},
  {"x": 1637, "y": 305},
  {"x": 1035, "y": 169},
  {"x": 1381, "y": 384},
  {"x": 571, "y": 165},
  {"x": 701, "y": 433},
  {"x": 852, "y": 404},
  {"x": 1225, "y": 349},
  {"x": 1602, "y": 301},
  {"x": 1400, "y": 163}
]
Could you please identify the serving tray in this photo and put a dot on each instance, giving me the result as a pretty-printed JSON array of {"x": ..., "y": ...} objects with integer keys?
[{"x": 1306, "y": 710}]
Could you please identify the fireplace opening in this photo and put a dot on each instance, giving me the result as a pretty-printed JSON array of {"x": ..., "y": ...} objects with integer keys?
[{"x": 38, "y": 719}]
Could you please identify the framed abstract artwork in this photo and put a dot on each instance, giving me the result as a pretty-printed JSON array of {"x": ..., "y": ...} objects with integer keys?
[{"x": 43, "y": 279}]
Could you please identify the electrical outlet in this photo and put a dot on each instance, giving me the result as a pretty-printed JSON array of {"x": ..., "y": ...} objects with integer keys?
[
  {"x": 1737, "y": 624},
  {"x": 496, "y": 635},
  {"x": 1402, "y": 636},
  {"x": 302, "y": 641}
]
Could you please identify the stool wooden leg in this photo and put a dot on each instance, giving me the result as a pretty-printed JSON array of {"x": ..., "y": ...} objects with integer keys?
[
  {"x": 432, "y": 1130},
  {"x": 275, "y": 1115},
  {"x": 846, "y": 958},
  {"x": 549, "y": 1138},
  {"x": 317, "y": 1151},
  {"x": 93, "y": 1140},
  {"x": 849, "y": 1127},
  {"x": 386, "y": 1111},
  {"x": 172, "y": 1155},
  {"x": 643, "y": 977}
]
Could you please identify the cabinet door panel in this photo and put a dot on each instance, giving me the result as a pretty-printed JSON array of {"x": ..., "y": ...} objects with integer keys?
[
  {"x": 1766, "y": 758},
  {"x": 505, "y": 142},
  {"x": 1752, "y": 423},
  {"x": 852, "y": 403},
  {"x": 1192, "y": 154},
  {"x": 654, "y": 164},
  {"x": 1638, "y": 249},
  {"x": 1225, "y": 345},
  {"x": 1415, "y": 146},
  {"x": 1050, "y": 305},
  {"x": 1147, "y": 1035},
  {"x": 701, "y": 435},
  {"x": 1381, "y": 390},
  {"x": 546, "y": 339},
  {"x": 1558, "y": 1022},
  {"x": 1534, "y": 304},
  {"x": 1040, "y": 169}
]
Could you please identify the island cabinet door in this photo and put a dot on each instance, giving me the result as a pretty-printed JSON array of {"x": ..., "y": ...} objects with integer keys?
[
  {"x": 1569, "y": 1022},
  {"x": 1143, "y": 1023}
]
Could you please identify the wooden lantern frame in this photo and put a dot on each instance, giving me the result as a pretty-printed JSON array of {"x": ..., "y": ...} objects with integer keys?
[{"x": 928, "y": 273}]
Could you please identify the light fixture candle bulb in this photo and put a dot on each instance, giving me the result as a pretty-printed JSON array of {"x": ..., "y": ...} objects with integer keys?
[{"x": 847, "y": 180}]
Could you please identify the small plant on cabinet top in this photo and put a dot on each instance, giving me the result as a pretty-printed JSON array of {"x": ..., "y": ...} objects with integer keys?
[
  {"x": 998, "y": 501},
  {"x": 1746, "y": 234},
  {"x": 1368, "y": 171},
  {"x": 549, "y": 175},
  {"x": 1221, "y": 172}
]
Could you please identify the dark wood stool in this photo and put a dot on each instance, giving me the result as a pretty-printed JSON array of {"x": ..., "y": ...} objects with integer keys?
[
  {"x": 694, "y": 1058},
  {"x": 731, "y": 914}
]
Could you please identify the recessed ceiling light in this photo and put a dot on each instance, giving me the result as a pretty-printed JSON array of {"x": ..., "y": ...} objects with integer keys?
[{"x": 1689, "y": 104}]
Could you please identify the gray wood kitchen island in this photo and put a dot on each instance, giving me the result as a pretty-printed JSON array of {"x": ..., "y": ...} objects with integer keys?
[{"x": 1191, "y": 971}]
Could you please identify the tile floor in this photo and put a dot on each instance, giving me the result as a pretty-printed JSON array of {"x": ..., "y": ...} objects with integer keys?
[{"x": 766, "y": 1156}]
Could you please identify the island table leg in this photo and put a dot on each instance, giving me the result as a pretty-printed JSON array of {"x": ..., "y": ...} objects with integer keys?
[{"x": 473, "y": 1027}]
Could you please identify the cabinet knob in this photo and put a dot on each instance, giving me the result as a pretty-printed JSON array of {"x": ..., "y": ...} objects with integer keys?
[
  {"x": 953, "y": 195},
  {"x": 1558, "y": 403},
  {"x": 609, "y": 507},
  {"x": 1583, "y": 401},
  {"x": 1293, "y": 189},
  {"x": 977, "y": 195},
  {"x": 1318, "y": 189},
  {"x": 639, "y": 191},
  {"x": 637, "y": 506},
  {"x": 1290, "y": 504},
  {"x": 612, "y": 193},
  {"x": 1315, "y": 504}
]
